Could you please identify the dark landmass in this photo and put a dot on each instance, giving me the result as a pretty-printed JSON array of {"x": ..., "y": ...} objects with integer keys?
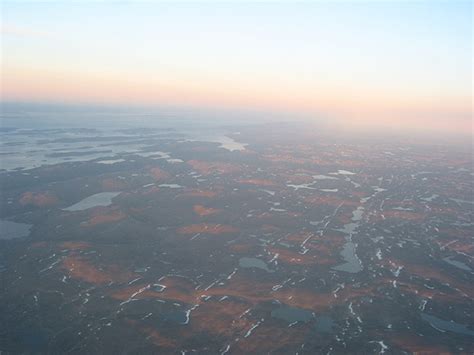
[{"x": 295, "y": 244}]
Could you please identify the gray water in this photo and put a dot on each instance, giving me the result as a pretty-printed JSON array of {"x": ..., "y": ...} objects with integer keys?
[
  {"x": 352, "y": 263},
  {"x": 100, "y": 199},
  {"x": 458, "y": 264},
  {"x": 324, "y": 324},
  {"x": 12, "y": 230},
  {"x": 46, "y": 138},
  {"x": 447, "y": 325},
  {"x": 293, "y": 314},
  {"x": 253, "y": 263}
]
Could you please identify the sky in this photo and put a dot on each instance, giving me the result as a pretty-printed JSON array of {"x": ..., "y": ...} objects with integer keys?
[{"x": 363, "y": 64}]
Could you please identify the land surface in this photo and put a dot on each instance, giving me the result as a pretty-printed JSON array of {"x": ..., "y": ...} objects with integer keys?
[{"x": 272, "y": 239}]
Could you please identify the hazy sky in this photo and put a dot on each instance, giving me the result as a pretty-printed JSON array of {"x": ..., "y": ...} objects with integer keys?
[{"x": 379, "y": 63}]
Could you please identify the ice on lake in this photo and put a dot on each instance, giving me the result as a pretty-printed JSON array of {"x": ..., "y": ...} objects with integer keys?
[{"x": 100, "y": 199}]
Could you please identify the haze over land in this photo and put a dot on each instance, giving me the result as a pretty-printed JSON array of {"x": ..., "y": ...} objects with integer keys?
[{"x": 236, "y": 178}]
